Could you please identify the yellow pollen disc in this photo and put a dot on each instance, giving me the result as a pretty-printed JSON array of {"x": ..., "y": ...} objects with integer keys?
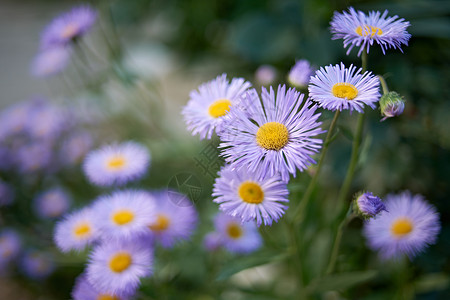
[
  {"x": 120, "y": 262},
  {"x": 116, "y": 162},
  {"x": 272, "y": 136},
  {"x": 69, "y": 31},
  {"x": 123, "y": 217},
  {"x": 234, "y": 230},
  {"x": 345, "y": 90},
  {"x": 161, "y": 224},
  {"x": 368, "y": 30},
  {"x": 219, "y": 108},
  {"x": 106, "y": 297},
  {"x": 82, "y": 230},
  {"x": 401, "y": 227},
  {"x": 251, "y": 192}
]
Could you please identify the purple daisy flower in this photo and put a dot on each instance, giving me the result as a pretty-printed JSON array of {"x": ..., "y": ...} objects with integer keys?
[
  {"x": 301, "y": 73},
  {"x": 408, "y": 226},
  {"x": 47, "y": 122},
  {"x": 34, "y": 157},
  {"x": 76, "y": 231},
  {"x": 116, "y": 164},
  {"x": 10, "y": 245},
  {"x": 249, "y": 196},
  {"x": 369, "y": 205},
  {"x": 75, "y": 147},
  {"x": 339, "y": 88},
  {"x": 124, "y": 214},
  {"x": 176, "y": 218},
  {"x": 208, "y": 105},
  {"x": 358, "y": 29},
  {"x": 212, "y": 241},
  {"x": 272, "y": 136},
  {"x": 52, "y": 203},
  {"x": 265, "y": 74},
  {"x": 116, "y": 267},
  {"x": 14, "y": 119},
  {"x": 37, "y": 265},
  {"x": 68, "y": 26},
  {"x": 50, "y": 61},
  {"x": 6, "y": 194},
  {"x": 237, "y": 237},
  {"x": 83, "y": 290}
]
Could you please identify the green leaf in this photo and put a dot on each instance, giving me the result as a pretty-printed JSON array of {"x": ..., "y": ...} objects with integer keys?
[
  {"x": 432, "y": 282},
  {"x": 246, "y": 262},
  {"x": 341, "y": 282}
]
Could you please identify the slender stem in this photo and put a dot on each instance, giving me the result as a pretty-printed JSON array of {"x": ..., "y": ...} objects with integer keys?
[
  {"x": 383, "y": 84},
  {"x": 299, "y": 212},
  {"x": 337, "y": 243},
  {"x": 355, "y": 148}
]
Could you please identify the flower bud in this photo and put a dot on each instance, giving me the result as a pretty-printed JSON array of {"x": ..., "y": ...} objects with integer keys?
[
  {"x": 368, "y": 205},
  {"x": 391, "y": 105}
]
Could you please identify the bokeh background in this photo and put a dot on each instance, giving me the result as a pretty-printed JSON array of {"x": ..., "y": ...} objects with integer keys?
[{"x": 167, "y": 48}]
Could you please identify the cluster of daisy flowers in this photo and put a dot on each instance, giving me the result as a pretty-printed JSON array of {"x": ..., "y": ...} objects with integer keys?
[
  {"x": 39, "y": 137},
  {"x": 123, "y": 226},
  {"x": 58, "y": 38}
]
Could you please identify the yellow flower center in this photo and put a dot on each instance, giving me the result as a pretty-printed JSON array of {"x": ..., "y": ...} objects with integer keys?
[
  {"x": 123, "y": 217},
  {"x": 251, "y": 192},
  {"x": 106, "y": 297},
  {"x": 368, "y": 30},
  {"x": 219, "y": 108},
  {"x": 70, "y": 31},
  {"x": 120, "y": 262},
  {"x": 345, "y": 90},
  {"x": 272, "y": 136},
  {"x": 82, "y": 230},
  {"x": 116, "y": 162},
  {"x": 234, "y": 230},
  {"x": 401, "y": 227},
  {"x": 161, "y": 224}
]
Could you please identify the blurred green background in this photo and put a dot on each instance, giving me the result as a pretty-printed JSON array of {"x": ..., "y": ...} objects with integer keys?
[{"x": 181, "y": 43}]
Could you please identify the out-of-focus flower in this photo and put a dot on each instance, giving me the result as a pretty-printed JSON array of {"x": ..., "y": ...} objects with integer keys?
[
  {"x": 212, "y": 101},
  {"x": 6, "y": 194},
  {"x": 14, "y": 119},
  {"x": 339, "y": 88},
  {"x": 124, "y": 214},
  {"x": 34, "y": 157},
  {"x": 75, "y": 147},
  {"x": 52, "y": 203},
  {"x": 391, "y": 105},
  {"x": 249, "y": 196},
  {"x": 301, "y": 73},
  {"x": 175, "y": 218},
  {"x": 266, "y": 74},
  {"x": 83, "y": 290},
  {"x": 237, "y": 237},
  {"x": 10, "y": 245},
  {"x": 50, "y": 61},
  {"x": 68, "y": 26},
  {"x": 116, "y": 164},
  {"x": 408, "y": 226},
  {"x": 368, "y": 205},
  {"x": 37, "y": 265},
  {"x": 116, "y": 268},
  {"x": 212, "y": 241},
  {"x": 76, "y": 231},
  {"x": 47, "y": 122},
  {"x": 358, "y": 29},
  {"x": 272, "y": 136}
]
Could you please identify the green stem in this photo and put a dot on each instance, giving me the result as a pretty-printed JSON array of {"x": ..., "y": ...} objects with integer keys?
[
  {"x": 299, "y": 212},
  {"x": 355, "y": 148},
  {"x": 383, "y": 84},
  {"x": 337, "y": 242}
]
